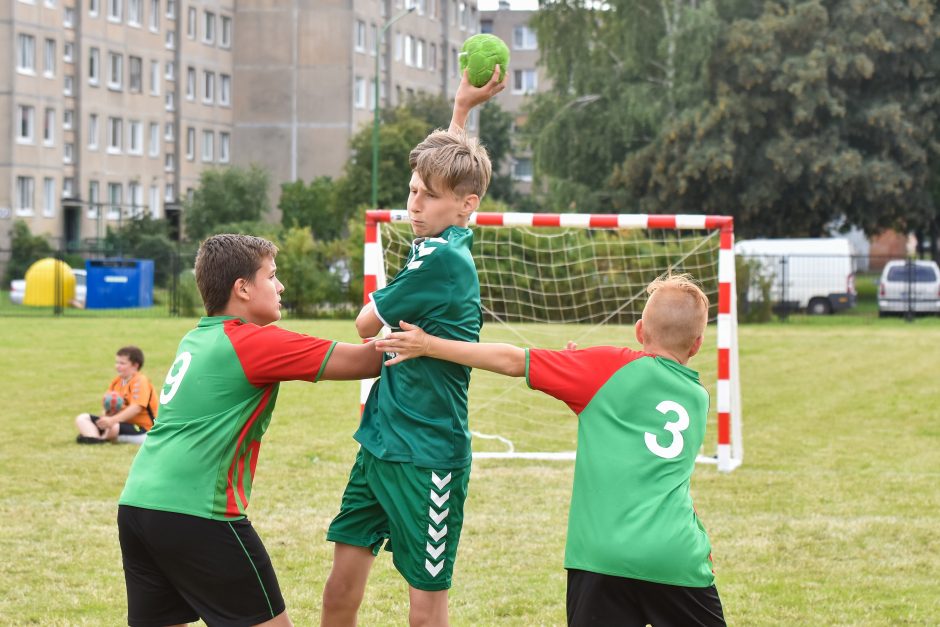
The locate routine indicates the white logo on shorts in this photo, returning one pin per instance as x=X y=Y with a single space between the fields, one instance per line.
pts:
x=437 y=533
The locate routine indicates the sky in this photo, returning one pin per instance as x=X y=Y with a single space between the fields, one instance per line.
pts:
x=519 y=5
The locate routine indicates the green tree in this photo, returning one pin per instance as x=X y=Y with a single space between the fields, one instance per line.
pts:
x=818 y=110
x=314 y=206
x=226 y=195
x=144 y=238
x=25 y=249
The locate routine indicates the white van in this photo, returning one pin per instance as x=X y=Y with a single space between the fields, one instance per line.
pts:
x=812 y=274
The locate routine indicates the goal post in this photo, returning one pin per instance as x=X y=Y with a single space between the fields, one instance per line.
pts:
x=546 y=277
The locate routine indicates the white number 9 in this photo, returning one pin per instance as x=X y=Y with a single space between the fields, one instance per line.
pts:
x=174 y=380
x=676 y=428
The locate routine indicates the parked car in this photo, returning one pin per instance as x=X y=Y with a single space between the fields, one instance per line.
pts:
x=18 y=289
x=909 y=285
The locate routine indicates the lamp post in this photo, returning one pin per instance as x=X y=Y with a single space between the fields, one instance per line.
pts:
x=375 y=107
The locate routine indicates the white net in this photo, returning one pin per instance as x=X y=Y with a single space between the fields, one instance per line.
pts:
x=543 y=287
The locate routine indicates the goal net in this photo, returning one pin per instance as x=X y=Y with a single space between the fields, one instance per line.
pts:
x=546 y=279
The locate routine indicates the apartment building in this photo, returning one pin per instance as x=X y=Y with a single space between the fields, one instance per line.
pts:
x=109 y=109
x=526 y=78
x=307 y=80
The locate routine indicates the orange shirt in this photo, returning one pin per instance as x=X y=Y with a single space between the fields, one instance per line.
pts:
x=138 y=391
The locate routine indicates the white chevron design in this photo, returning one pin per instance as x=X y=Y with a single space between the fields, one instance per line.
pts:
x=437 y=518
x=431 y=568
x=414 y=265
x=439 y=240
x=440 y=483
x=437 y=535
x=440 y=500
x=435 y=552
x=424 y=251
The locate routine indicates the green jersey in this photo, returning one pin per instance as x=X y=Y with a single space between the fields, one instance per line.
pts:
x=215 y=406
x=417 y=411
x=641 y=422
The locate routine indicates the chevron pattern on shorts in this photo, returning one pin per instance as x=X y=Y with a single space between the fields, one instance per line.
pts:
x=437 y=530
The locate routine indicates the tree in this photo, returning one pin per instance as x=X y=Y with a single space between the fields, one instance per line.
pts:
x=496 y=136
x=818 y=110
x=144 y=238
x=25 y=249
x=225 y=195
x=314 y=206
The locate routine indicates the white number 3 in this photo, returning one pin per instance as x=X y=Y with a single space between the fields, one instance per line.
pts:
x=675 y=427
x=181 y=365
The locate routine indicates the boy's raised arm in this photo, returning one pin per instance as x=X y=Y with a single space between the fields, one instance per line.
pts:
x=411 y=342
x=469 y=96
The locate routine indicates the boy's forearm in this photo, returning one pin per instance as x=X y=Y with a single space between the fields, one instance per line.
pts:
x=458 y=121
x=368 y=323
x=500 y=358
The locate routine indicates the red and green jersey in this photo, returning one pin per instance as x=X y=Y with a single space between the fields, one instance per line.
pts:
x=215 y=406
x=417 y=411
x=641 y=422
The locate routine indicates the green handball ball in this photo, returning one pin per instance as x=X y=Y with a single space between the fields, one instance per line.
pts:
x=479 y=56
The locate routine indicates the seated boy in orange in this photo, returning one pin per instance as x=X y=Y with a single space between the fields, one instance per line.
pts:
x=132 y=422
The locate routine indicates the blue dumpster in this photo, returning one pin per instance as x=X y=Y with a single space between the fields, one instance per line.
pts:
x=118 y=283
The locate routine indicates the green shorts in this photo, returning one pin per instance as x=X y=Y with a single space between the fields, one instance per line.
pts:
x=418 y=510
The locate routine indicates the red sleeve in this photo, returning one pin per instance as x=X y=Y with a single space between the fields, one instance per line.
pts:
x=575 y=376
x=271 y=354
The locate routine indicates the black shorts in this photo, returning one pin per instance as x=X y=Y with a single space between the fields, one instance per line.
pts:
x=179 y=568
x=595 y=599
x=124 y=428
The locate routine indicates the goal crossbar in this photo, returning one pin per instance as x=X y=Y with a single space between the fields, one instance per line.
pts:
x=730 y=452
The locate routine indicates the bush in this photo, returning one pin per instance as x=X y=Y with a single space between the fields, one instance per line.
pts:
x=26 y=249
x=752 y=280
x=190 y=300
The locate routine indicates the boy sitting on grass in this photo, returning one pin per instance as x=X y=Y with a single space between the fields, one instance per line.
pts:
x=636 y=552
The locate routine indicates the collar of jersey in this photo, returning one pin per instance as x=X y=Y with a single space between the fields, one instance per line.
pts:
x=208 y=321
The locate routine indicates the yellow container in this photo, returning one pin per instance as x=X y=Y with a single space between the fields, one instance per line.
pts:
x=43 y=277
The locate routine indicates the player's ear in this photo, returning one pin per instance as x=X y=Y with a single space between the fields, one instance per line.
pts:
x=638 y=331
x=696 y=346
x=471 y=202
x=240 y=289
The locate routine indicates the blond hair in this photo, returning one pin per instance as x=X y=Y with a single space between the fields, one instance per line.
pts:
x=223 y=259
x=676 y=312
x=453 y=161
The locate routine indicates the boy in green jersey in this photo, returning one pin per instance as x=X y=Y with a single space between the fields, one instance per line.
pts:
x=636 y=552
x=409 y=480
x=188 y=550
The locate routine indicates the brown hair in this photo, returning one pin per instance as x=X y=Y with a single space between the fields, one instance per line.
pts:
x=676 y=312
x=454 y=161
x=222 y=260
x=133 y=354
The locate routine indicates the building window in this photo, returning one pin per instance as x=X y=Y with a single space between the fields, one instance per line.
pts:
x=224 y=147
x=170 y=40
x=68 y=152
x=523 y=38
x=25 y=193
x=190 y=83
x=154 y=78
x=359 y=93
x=191 y=16
x=486 y=26
x=155 y=16
x=208 y=94
x=48 y=58
x=171 y=9
x=208 y=146
x=68 y=84
x=170 y=101
x=68 y=187
x=115 y=198
x=226 y=36
x=68 y=116
x=168 y=132
x=522 y=169
x=93 y=199
x=432 y=57
x=190 y=143
x=48 y=127
x=168 y=192
x=225 y=89
x=68 y=51
x=154 y=139
x=93 y=131
x=360 y=36
x=135 y=78
x=26 y=54
x=135 y=137
x=524 y=81
x=94 y=66
x=208 y=34
x=135 y=196
x=93 y=8
x=169 y=163
x=114 y=10
x=115 y=70
x=419 y=53
x=134 y=12
x=69 y=20
x=26 y=117
x=48 y=197
x=409 y=51
x=115 y=132
x=154 y=202
x=170 y=71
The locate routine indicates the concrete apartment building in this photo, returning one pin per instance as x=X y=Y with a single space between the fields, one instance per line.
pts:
x=527 y=77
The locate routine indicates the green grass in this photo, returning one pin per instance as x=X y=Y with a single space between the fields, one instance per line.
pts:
x=830 y=521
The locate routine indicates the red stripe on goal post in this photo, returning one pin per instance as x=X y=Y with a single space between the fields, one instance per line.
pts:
x=724 y=364
x=490 y=219
x=724 y=428
x=601 y=221
x=546 y=219
x=724 y=298
x=661 y=222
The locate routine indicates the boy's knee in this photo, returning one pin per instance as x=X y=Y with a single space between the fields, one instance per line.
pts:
x=82 y=419
x=340 y=594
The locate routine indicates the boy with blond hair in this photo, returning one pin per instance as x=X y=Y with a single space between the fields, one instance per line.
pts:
x=409 y=481
x=636 y=552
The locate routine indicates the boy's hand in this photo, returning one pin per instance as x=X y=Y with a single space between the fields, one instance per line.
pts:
x=410 y=342
x=469 y=96
x=571 y=346
x=104 y=422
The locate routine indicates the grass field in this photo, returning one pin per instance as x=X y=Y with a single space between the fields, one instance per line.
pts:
x=832 y=519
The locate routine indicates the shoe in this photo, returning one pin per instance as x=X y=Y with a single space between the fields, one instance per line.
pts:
x=84 y=439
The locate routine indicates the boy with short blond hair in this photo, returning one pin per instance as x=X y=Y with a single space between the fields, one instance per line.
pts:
x=637 y=552
x=188 y=549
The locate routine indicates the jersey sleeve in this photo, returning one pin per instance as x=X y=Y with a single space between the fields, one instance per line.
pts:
x=140 y=392
x=421 y=290
x=270 y=354
x=575 y=376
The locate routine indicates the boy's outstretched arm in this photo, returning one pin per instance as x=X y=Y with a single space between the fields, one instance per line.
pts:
x=469 y=96
x=368 y=323
x=411 y=341
x=352 y=361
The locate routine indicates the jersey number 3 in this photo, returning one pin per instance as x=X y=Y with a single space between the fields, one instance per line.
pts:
x=675 y=427
x=181 y=365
